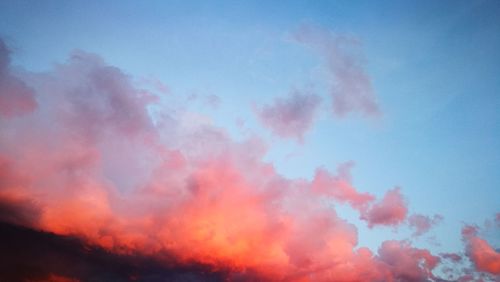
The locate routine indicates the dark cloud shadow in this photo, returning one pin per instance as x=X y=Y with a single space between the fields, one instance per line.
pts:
x=31 y=255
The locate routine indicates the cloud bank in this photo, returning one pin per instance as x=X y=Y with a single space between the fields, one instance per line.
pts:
x=89 y=162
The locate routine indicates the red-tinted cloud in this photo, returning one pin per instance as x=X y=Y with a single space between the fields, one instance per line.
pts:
x=340 y=188
x=391 y=210
x=407 y=263
x=351 y=87
x=470 y=231
x=422 y=224
x=16 y=98
x=484 y=257
x=95 y=166
x=292 y=116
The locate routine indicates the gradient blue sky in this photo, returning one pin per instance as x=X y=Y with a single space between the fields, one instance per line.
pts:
x=434 y=65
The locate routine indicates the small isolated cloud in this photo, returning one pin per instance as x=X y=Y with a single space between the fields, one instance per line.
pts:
x=351 y=86
x=422 y=224
x=16 y=98
x=213 y=101
x=291 y=116
x=391 y=210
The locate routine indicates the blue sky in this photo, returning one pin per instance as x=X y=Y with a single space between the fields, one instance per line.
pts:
x=434 y=67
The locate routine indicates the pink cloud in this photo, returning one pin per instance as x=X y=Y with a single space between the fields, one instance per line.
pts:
x=469 y=231
x=99 y=97
x=89 y=162
x=407 y=263
x=340 y=188
x=351 y=86
x=422 y=224
x=391 y=210
x=16 y=98
x=292 y=116
x=484 y=257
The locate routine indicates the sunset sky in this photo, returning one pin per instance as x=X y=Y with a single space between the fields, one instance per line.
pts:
x=274 y=141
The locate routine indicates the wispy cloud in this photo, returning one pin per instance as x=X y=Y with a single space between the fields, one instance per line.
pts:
x=422 y=224
x=16 y=98
x=291 y=116
x=350 y=85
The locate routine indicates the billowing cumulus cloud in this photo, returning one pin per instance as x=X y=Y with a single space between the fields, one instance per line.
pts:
x=89 y=163
x=16 y=98
x=421 y=224
x=291 y=116
x=350 y=85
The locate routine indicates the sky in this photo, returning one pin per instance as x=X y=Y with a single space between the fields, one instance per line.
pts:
x=321 y=127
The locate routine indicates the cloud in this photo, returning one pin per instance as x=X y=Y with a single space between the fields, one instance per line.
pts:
x=350 y=85
x=422 y=224
x=213 y=101
x=452 y=256
x=391 y=210
x=19 y=210
x=40 y=256
x=340 y=188
x=407 y=263
x=484 y=257
x=89 y=163
x=16 y=98
x=292 y=116
x=99 y=97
